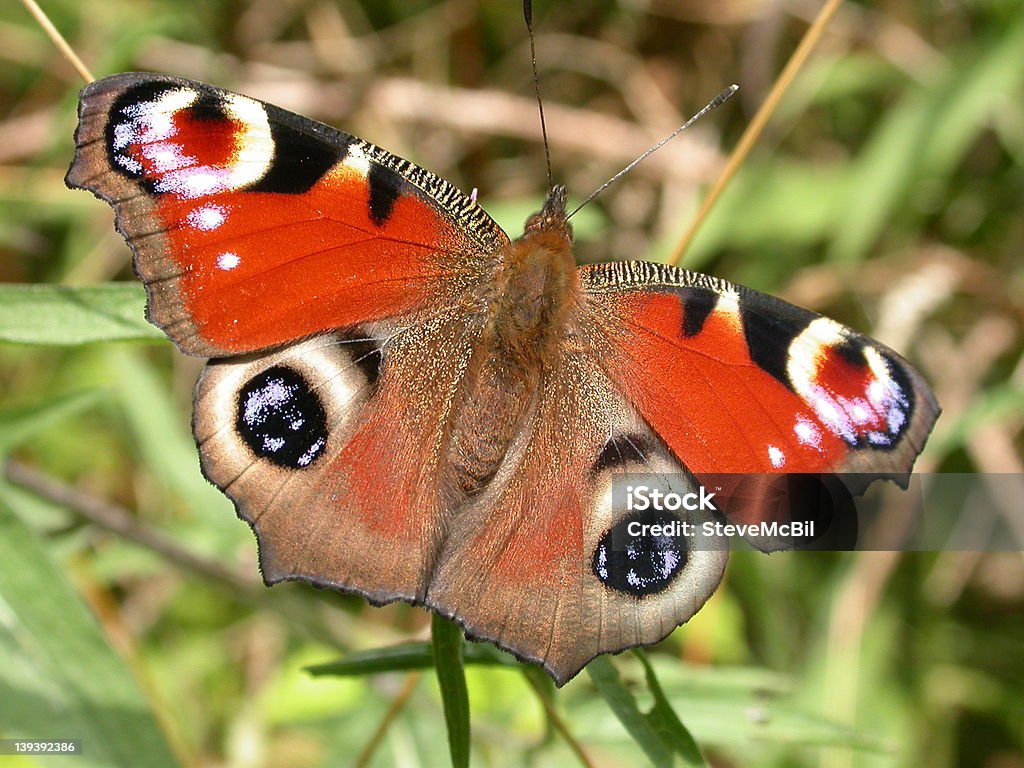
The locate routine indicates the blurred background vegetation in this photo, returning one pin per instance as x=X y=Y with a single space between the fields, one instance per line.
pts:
x=886 y=193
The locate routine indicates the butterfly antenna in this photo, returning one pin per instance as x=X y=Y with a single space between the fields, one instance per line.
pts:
x=528 y=15
x=718 y=101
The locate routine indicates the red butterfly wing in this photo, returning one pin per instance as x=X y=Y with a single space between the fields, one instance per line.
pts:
x=252 y=226
x=736 y=381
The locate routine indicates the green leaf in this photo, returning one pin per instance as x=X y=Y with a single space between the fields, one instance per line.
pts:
x=19 y=424
x=646 y=733
x=405 y=657
x=60 y=679
x=923 y=139
x=786 y=204
x=882 y=177
x=451 y=677
x=65 y=316
x=160 y=428
x=735 y=707
x=666 y=721
x=978 y=90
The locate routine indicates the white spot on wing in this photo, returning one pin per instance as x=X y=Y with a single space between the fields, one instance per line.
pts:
x=807 y=432
x=729 y=302
x=166 y=156
x=834 y=413
x=124 y=134
x=876 y=391
x=255 y=152
x=207 y=217
x=886 y=396
x=129 y=164
x=195 y=182
x=149 y=124
x=807 y=350
x=154 y=120
x=312 y=453
x=776 y=456
x=859 y=411
x=274 y=394
x=228 y=260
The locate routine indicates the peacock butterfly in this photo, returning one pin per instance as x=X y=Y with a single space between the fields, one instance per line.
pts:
x=404 y=403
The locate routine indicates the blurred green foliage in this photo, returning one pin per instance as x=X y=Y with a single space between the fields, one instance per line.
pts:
x=886 y=192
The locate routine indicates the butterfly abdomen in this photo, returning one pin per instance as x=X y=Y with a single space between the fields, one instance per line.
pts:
x=495 y=397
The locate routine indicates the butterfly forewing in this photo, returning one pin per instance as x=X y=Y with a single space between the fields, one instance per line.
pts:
x=736 y=381
x=252 y=226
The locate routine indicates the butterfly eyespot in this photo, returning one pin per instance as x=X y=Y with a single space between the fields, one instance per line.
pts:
x=855 y=391
x=282 y=419
x=642 y=553
x=129 y=121
x=190 y=142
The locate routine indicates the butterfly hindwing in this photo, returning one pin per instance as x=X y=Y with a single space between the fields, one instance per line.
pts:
x=325 y=453
x=252 y=226
x=542 y=562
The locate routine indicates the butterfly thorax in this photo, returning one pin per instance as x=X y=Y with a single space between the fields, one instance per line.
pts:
x=536 y=288
x=530 y=311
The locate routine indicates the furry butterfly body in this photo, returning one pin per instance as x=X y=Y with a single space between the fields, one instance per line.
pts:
x=404 y=402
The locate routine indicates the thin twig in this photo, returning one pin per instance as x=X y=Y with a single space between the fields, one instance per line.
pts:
x=559 y=724
x=389 y=718
x=118 y=520
x=756 y=127
x=319 y=619
x=58 y=40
